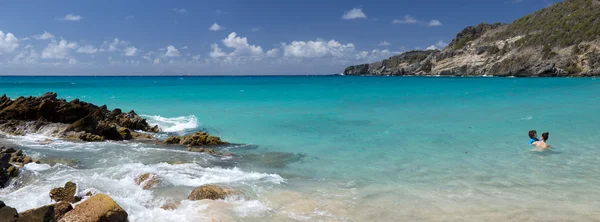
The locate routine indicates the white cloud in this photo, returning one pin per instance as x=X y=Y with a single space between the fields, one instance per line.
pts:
x=255 y=29
x=58 y=50
x=384 y=43
x=180 y=10
x=241 y=46
x=441 y=44
x=432 y=47
x=216 y=52
x=219 y=12
x=44 y=36
x=215 y=27
x=407 y=20
x=316 y=49
x=355 y=13
x=129 y=17
x=172 y=51
x=273 y=53
x=27 y=56
x=434 y=23
x=196 y=57
x=71 y=17
x=8 y=42
x=130 y=51
x=89 y=49
x=375 y=55
x=115 y=45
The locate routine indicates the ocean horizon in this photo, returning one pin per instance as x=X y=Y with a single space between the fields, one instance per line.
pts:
x=330 y=148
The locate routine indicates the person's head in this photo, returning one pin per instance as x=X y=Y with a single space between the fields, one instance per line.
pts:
x=532 y=134
x=545 y=136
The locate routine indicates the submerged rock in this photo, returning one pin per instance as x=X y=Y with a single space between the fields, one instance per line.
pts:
x=147 y=180
x=274 y=159
x=98 y=208
x=212 y=192
x=66 y=193
x=170 y=206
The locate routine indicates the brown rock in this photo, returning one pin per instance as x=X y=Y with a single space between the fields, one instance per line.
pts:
x=99 y=208
x=91 y=137
x=8 y=214
x=46 y=142
x=125 y=133
x=200 y=139
x=141 y=136
x=66 y=193
x=170 y=206
x=211 y=192
x=179 y=162
x=60 y=209
x=45 y=214
x=172 y=140
x=12 y=171
x=27 y=160
x=147 y=180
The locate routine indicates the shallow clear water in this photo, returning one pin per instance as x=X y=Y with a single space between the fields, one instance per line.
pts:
x=336 y=148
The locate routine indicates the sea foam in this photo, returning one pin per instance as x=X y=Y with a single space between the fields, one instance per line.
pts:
x=174 y=124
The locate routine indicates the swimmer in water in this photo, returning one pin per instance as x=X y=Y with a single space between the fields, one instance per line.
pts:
x=542 y=145
x=533 y=137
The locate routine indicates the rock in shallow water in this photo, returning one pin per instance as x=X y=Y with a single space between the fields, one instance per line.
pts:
x=147 y=180
x=7 y=213
x=66 y=193
x=99 y=208
x=45 y=214
x=212 y=192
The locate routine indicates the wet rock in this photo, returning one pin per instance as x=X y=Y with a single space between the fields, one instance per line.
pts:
x=5 y=160
x=171 y=206
x=88 y=137
x=27 y=160
x=4 y=177
x=7 y=213
x=147 y=180
x=98 y=208
x=12 y=171
x=125 y=133
x=85 y=124
x=212 y=192
x=179 y=162
x=227 y=154
x=109 y=131
x=141 y=136
x=66 y=193
x=200 y=139
x=7 y=150
x=45 y=214
x=173 y=140
x=60 y=209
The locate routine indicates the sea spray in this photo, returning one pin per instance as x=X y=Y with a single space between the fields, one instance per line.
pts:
x=177 y=125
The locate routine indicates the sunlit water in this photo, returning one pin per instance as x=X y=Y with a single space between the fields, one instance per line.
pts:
x=334 y=148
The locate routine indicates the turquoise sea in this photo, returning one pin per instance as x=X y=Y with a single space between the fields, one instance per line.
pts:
x=335 y=148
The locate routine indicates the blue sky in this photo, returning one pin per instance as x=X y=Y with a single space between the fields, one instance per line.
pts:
x=226 y=37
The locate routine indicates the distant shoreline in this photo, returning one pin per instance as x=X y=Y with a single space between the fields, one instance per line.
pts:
x=314 y=75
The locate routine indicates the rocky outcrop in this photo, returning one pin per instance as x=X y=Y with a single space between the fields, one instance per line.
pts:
x=543 y=44
x=66 y=193
x=197 y=142
x=60 y=209
x=45 y=213
x=212 y=192
x=147 y=180
x=74 y=119
x=10 y=161
x=98 y=208
x=7 y=213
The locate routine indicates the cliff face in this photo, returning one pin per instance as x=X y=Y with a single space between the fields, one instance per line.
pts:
x=561 y=40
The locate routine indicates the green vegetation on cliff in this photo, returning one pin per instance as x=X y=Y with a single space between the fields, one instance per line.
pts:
x=563 y=24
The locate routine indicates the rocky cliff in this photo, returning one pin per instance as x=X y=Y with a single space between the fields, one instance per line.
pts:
x=561 y=40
